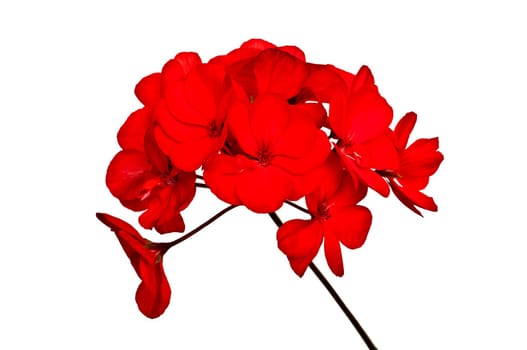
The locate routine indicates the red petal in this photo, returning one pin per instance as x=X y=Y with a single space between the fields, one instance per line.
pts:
x=269 y=120
x=148 y=90
x=279 y=73
x=264 y=189
x=257 y=44
x=178 y=68
x=132 y=242
x=368 y=176
x=411 y=197
x=368 y=116
x=378 y=153
x=221 y=174
x=333 y=253
x=153 y=294
x=238 y=124
x=300 y=240
x=350 y=225
x=131 y=135
x=188 y=155
x=421 y=158
x=403 y=129
x=129 y=176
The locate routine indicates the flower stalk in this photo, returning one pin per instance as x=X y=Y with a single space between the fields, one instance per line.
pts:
x=276 y=219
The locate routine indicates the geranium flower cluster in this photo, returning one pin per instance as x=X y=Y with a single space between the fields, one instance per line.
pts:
x=261 y=126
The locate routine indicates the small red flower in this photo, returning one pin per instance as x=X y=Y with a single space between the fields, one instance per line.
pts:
x=153 y=293
x=336 y=218
x=144 y=179
x=418 y=162
x=361 y=119
x=275 y=147
x=190 y=120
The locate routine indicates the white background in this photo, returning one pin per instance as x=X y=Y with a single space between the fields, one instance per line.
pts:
x=453 y=280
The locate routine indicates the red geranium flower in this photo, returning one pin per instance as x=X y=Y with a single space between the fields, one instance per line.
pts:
x=336 y=218
x=361 y=119
x=153 y=294
x=418 y=162
x=275 y=147
x=190 y=120
x=142 y=177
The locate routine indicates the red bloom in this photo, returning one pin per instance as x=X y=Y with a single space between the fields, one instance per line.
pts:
x=418 y=162
x=336 y=218
x=360 y=119
x=192 y=114
x=143 y=178
x=153 y=294
x=275 y=147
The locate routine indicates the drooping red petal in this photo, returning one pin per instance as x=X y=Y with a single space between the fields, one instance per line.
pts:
x=300 y=241
x=412 y=197
x=153 y=294
x=333 y=253
x=403 y=129
x=132 y=242
x=368 y=176
x=148 y=90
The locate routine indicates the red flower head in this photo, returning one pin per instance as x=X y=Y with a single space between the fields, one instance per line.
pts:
x=418 y=162
x=336 y=218
x=192 y=114
x=361 y=119
x=276 y=147
x=153 y=294
x=142 y=177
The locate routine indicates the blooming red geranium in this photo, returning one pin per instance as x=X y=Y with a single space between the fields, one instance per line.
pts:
x=153 y=294
x=360 y=118
x=266 y=127
x=191 y=116
x=336 y=218
x=417 y=163
x=143 y=177
x=276 y=146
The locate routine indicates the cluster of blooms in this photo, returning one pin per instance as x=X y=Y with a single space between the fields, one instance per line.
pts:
x=263 y=127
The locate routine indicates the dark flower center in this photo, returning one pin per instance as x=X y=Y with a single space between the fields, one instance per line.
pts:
x=214 y=129
x=323 y=211
x=264 y=156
